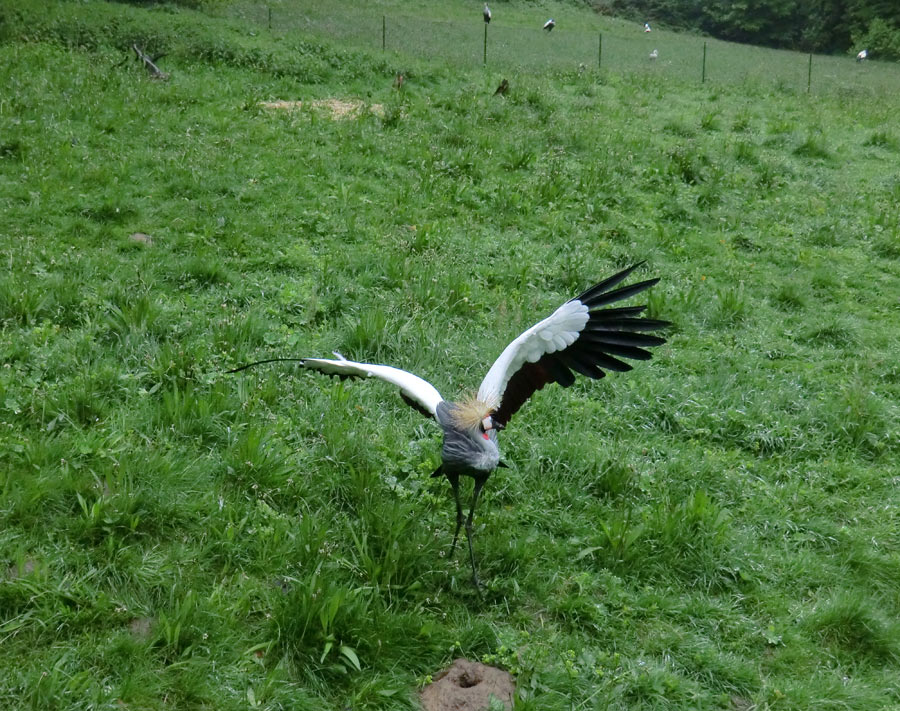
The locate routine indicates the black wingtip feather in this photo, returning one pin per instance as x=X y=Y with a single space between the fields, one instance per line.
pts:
x=598 y=324
x=620 y=294
x=581 y=363
x=621 y=338
x=622 y=311
x=606 y=361
x=626 y=351
x=606 y=284
x=267 y=360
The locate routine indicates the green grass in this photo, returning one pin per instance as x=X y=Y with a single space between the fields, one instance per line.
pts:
x=717 y=529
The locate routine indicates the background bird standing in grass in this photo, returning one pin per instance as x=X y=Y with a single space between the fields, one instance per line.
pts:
x=579 y=336
x=549 y=25
x=487 y=13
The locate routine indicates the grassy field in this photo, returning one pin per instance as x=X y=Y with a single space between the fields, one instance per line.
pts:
x=718 y=529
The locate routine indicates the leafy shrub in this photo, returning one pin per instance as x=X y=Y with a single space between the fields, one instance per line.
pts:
x=881 y=39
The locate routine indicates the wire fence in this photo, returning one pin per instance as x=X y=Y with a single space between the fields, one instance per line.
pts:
x=621 y=48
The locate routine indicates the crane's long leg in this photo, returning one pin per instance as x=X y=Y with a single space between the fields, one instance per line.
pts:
x=479 y=484
x=454 y=483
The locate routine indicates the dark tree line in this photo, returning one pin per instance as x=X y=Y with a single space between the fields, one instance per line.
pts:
x=811 y=25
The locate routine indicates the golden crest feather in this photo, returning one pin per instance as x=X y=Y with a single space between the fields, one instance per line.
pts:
x=468 y=413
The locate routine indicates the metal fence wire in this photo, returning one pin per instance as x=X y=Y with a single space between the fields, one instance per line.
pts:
x=622 y=48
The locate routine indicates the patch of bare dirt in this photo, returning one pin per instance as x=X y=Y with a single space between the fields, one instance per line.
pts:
x=141 y=628
x=468 y=686
x=141 y=237
x=28 y=567
x=336 y=109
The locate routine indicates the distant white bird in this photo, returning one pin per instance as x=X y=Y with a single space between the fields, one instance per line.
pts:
x=487 y=13
x=549 y=25
x=581 y=336
x=654 y=54
x=864 y=54
x=646 y=27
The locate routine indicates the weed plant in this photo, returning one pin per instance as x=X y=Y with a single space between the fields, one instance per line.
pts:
x=717 y=529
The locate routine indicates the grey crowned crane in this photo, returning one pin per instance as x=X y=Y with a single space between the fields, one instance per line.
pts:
x=549 y=25
x=579 y=337
x=487 y=13
x=862 y=54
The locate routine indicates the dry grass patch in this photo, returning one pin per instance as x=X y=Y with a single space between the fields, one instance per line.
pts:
x=337 y=109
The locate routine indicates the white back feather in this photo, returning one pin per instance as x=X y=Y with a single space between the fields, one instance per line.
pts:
x=556 y=332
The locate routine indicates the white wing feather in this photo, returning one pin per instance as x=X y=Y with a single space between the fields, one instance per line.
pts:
x=412 y=386
x=556 y=332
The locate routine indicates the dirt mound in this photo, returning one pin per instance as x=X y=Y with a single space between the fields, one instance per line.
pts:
x=468 y=686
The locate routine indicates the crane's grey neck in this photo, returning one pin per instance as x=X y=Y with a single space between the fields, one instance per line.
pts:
x=466 y=450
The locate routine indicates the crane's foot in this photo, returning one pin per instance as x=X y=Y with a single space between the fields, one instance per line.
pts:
x=477 y=583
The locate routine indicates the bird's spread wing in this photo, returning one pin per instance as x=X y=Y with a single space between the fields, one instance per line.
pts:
x=415 y=391
x=579 y=336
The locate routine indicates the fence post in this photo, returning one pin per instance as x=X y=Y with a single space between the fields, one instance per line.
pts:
x=599 y=49
x=485 y=43
x=703 y=74
x=809 y=74
x=383 y=31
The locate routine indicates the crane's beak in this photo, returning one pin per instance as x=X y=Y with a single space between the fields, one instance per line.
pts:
x=488 y=424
